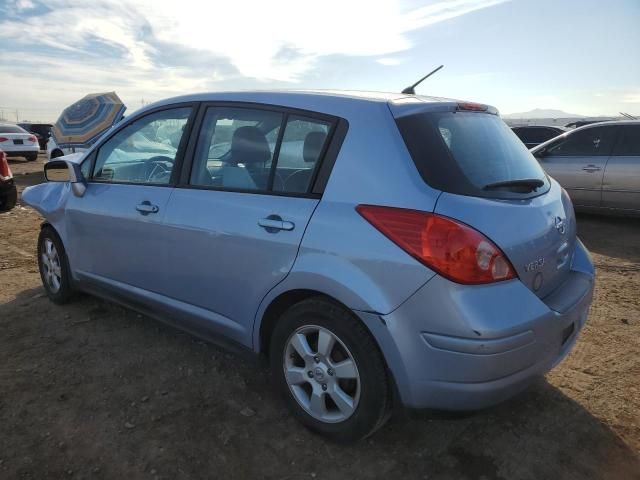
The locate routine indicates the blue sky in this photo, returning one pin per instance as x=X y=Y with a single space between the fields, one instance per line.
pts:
x=580 y=56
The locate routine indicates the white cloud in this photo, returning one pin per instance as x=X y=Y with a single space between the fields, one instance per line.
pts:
x=41 y=96
x=159 y=48
x=251 y=34
x=389 y=61
x=24 y=4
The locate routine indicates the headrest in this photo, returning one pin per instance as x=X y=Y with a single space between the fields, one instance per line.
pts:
x=249 y=145
x=313 y=143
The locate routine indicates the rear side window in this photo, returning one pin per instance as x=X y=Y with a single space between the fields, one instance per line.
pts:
x=593 y=141
x=628 y=141
x=235 y=150
x=302 y=146
x=464 y=152
x=259 y=150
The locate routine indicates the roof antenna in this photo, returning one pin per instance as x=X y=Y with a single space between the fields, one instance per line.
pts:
x=628 y=116
x=411 y=90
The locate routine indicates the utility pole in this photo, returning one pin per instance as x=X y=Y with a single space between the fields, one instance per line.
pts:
x=17 y=116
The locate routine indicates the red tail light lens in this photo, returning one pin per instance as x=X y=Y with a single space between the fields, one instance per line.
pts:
x=472 y=107
x=32 y=138
x=3 y=139
x=454 y=250
x=5 y=171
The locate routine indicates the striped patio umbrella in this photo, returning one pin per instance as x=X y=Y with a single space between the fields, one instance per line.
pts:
x=82 y=123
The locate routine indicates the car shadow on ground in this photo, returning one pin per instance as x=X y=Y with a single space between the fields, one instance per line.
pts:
x=17 y=160
x=595 y=232
x=24 y=180
x=97 y=390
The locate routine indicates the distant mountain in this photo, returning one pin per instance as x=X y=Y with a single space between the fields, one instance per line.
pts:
x=542 y=113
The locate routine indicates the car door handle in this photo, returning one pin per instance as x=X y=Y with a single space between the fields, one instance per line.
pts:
x=274 y=223
x=145 y=208
x=591 y=168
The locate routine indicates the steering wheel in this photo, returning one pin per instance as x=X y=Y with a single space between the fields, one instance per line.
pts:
x=158 y=169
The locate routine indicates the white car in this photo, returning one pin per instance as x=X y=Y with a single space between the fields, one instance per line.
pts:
x=15 y=141
x=55 y=151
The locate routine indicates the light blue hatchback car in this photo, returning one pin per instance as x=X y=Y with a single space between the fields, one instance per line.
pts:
x=376 y=248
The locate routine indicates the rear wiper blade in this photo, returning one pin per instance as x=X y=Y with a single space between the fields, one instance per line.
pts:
x=531 y=183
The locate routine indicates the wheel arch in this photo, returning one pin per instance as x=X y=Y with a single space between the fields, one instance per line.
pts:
x=302 y=284
x=48 y=224
x=276 y=307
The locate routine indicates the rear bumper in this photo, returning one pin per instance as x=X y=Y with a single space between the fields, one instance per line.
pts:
x=458 y=347
x=23 y=150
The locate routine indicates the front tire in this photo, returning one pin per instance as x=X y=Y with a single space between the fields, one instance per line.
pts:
x=330 y=370
x=32 y=158
x=54 y=267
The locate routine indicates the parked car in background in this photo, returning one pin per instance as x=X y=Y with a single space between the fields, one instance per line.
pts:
x=15 y=141
x=533 y=135
x=54 y=151
x=328 y=232
x=582 y=123
x=8 y=192
x=598 y=165
x=42 y=131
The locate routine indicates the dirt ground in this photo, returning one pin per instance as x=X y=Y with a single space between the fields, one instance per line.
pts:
x=91 y=390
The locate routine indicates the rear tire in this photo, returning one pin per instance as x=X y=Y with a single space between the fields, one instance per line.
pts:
x=54 y=267
x=32 y=158
x=339 y=387
x=8 y=201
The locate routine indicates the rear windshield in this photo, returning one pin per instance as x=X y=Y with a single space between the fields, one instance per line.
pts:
x=11 y=129
x=465 y=152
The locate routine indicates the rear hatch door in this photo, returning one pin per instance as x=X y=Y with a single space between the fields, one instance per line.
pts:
x=538 y=235
x=491 y=182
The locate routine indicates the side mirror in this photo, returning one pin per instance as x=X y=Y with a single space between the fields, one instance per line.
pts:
x=63 y=171
x=57 y=171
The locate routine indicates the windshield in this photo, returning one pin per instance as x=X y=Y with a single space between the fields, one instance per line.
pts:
x=465 y=152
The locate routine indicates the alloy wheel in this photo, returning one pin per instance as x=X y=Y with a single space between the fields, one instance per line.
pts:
x=52 y=271
x=321 y=374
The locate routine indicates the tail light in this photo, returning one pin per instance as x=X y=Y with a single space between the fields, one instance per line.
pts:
x=453 y=249
x=472 y=107
x=3 y=139
x=32 y=138
x=5 y=171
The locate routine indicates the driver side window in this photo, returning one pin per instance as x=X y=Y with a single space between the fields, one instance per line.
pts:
x=590 y=142
x=144 y=151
